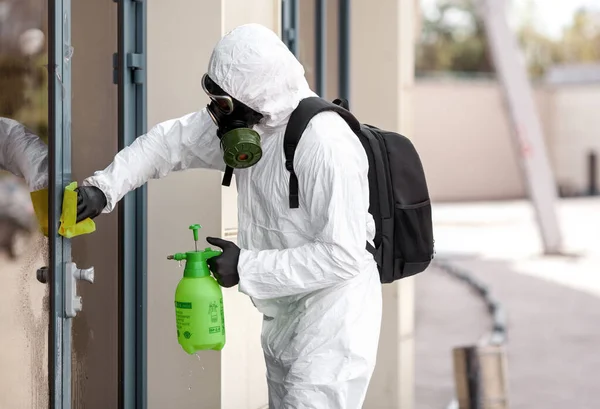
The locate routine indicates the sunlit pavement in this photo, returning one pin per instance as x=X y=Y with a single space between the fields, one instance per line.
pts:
x=553 y=303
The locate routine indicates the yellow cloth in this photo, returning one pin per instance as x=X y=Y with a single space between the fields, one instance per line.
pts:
x=68 y=228
x=39 y=199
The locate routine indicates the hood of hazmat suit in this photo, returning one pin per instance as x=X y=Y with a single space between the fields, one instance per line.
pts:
x=307 y=269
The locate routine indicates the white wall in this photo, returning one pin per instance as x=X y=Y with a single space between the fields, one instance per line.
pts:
x=464 y=137
x=181 y=35
x=576 y=131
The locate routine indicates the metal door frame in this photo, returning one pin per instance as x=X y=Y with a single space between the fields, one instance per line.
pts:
x=290 y=35
x=344 y=49
x=290 y=15
x=129 y=65
x=130 y=75
x=59 y=94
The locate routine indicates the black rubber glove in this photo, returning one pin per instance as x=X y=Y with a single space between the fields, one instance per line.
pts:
x=90 y=202
x=224 y=267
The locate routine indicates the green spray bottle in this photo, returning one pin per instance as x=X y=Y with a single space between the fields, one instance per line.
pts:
x=199 y=302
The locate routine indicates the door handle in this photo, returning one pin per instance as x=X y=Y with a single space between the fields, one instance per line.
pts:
x=73 y=302
x=42 y=275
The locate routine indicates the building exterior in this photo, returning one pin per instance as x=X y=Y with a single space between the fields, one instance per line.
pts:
x=121 y=350
x=456 y=125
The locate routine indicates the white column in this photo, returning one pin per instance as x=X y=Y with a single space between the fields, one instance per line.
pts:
x=382 y=77
x=528 y=133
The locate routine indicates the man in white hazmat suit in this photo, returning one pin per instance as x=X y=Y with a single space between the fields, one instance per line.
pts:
x=306 y=269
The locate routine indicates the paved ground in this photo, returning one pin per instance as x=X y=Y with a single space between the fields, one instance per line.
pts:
x=553 y=304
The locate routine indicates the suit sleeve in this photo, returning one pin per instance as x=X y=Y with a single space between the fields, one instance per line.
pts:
x=174 y=145
x=23 y=154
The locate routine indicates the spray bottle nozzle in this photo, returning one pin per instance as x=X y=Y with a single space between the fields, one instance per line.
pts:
x=177 y=256
x=195 y=261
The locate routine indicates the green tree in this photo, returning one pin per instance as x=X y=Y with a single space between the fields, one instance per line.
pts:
x=446 y=45
x=540 y=51
x=581 y=40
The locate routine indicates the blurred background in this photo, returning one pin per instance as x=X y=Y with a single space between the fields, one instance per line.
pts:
x=423 y=68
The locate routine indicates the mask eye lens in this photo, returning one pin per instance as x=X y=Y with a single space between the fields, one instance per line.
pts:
x=217 y=95
x=224 y=103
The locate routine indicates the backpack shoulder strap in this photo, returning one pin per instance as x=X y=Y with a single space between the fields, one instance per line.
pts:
x=298 y=122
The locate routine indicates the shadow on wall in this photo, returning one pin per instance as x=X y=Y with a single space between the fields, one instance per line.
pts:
x=552 y=336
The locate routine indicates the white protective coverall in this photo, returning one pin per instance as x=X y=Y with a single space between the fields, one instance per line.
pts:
x=23 y=154
x=307 y=269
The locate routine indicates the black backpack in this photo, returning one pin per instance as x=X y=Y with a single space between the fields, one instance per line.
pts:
x=399 y=198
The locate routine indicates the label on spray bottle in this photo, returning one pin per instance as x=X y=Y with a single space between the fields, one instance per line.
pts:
x=183 y=311
x=213 y=313
x=222 y=317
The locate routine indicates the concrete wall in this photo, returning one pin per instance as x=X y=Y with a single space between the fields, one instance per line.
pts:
x=463 y=135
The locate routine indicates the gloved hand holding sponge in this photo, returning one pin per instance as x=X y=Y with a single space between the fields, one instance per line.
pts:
x=90 y=202
x=79 y=207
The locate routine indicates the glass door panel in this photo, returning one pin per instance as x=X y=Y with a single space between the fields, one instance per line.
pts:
x=23 y=249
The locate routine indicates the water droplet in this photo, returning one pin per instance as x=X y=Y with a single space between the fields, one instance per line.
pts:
x=189 y=388
x=200 y=360
x=179 y=263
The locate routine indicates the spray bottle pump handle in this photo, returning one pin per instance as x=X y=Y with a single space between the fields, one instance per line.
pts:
x=195 y=228
x=210 y=253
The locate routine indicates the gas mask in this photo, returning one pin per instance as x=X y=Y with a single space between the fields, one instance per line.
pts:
x=240 y=144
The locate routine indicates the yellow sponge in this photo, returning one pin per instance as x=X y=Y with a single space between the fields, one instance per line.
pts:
x=68 y=226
